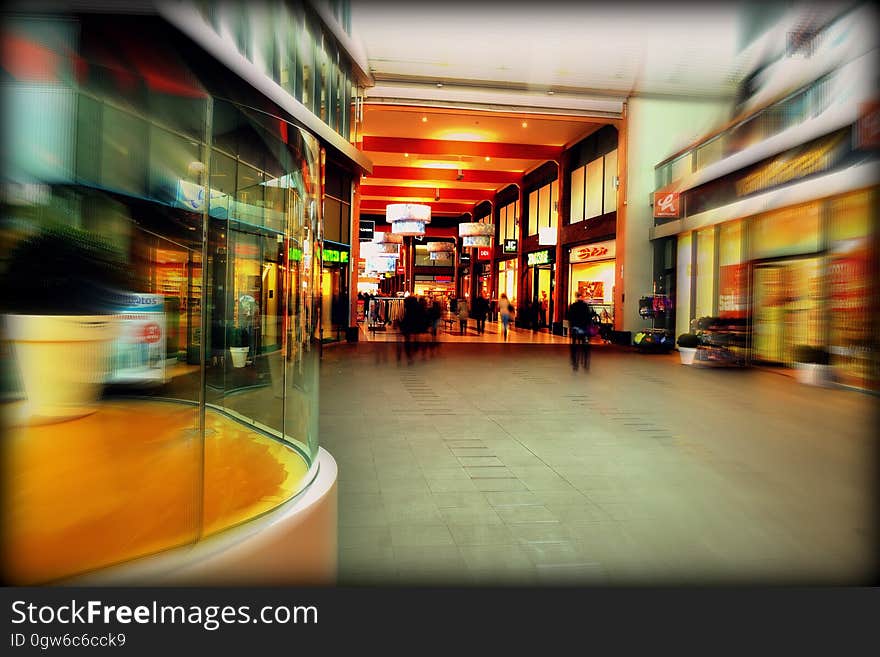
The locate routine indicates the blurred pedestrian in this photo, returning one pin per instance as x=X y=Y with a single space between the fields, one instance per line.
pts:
x=463 y=313
x=505 y=309
x=481 y=309
x=579 y=319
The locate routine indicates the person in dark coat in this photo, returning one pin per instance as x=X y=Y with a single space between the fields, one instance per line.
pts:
x=579 y=318
x=481 y=309
x=410 y=324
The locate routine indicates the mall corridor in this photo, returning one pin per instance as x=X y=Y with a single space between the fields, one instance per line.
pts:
x=497 y=464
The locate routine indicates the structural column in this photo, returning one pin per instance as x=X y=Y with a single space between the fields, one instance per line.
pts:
x=354 y=256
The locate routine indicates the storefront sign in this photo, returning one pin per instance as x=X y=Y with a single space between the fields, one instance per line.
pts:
x=666 y=204
x=589 y=252
x=295 y=254
x=511 y=246
x=443 y=279
x=400 y=269
x=484 y=253
x=792 y=165
x=332 y=255
x=539 y=258
x=733 y=291
x=366 y=230
x=139 y=351
x=547 y=236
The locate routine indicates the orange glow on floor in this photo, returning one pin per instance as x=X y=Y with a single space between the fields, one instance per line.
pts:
x=125 y=482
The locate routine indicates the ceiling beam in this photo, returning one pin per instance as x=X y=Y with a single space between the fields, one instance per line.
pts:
x=467 y=175
x=445 y=194
x=472 y=148
x=370 y=206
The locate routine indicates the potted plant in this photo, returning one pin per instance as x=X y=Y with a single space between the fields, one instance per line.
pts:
x=238 y=347
x=687 y=347
x=61 y=288
x=812 y=365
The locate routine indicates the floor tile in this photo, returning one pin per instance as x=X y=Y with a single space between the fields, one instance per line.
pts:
x=465 y=535
x=420 y=535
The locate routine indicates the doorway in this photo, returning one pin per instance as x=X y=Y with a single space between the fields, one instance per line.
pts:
x=787 y=308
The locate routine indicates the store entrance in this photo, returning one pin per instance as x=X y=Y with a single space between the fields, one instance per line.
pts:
x=787 y=310
x=541 y=296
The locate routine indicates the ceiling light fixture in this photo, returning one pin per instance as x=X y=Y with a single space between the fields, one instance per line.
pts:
x=424 y=119
x=406 y=154
x=408 y=218
x=439 y=84
x=525 y=125
x=487 y=158
x=549 y=92
x=476 y=234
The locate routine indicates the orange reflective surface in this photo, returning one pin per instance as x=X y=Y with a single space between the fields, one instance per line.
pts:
x=126 y=481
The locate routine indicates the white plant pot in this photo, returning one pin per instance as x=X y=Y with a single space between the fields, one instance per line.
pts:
x=239 y=356
x=64 y=361
x=813 y=374
x=687 y=355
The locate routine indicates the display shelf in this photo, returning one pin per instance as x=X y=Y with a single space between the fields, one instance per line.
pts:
x=723 y=343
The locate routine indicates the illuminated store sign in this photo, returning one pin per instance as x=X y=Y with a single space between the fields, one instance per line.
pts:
x=539 y=258
x=295 y=254
x=511 y=246
x=366 y=230
x=666 y=204
x=792 y=165
x=589 y=252
x=332 y=255
x=484 y=253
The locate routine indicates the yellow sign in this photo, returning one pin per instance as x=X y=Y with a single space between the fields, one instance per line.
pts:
x=786 y=168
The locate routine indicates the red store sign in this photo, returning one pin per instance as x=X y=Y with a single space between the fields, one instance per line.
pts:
x=666 y=204
x=484 y=253
x=588 y=252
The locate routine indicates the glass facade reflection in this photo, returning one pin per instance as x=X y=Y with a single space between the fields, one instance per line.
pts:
x=205 y=414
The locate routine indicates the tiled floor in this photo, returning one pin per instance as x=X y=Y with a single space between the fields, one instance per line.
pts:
x=489 y=463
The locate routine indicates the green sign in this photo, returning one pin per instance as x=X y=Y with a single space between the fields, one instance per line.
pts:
x=332 y=255
x=538 y=258
x=295 y=254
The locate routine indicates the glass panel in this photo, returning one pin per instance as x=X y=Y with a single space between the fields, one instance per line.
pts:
x=175 y=169
x=683 y=276
x=733 y=290
x=533 y=212
x=594 y=189
x=544 y=206
x=789 y=231
x=331 y=219
x=681 y=167
x=705 y=274
x=554 y=204
x=123 y=152
x=610 y=201
x=577 y=195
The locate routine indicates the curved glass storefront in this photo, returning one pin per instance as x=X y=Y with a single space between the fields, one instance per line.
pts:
x=161 y=243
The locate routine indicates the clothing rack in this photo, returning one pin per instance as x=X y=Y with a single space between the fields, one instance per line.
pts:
x=654 y=306
x=383 y=311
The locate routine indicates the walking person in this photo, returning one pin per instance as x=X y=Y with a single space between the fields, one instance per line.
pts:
x=579 y=319
x=542 y=309
x=505 y=309
x=481 y=309
x=463 y=312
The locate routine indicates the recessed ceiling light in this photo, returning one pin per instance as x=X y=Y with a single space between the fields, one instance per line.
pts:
x=525 y=125
x=487 y=158
x=439 y=84
x=406 y=154
x=550 y=92
x=424 y=119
